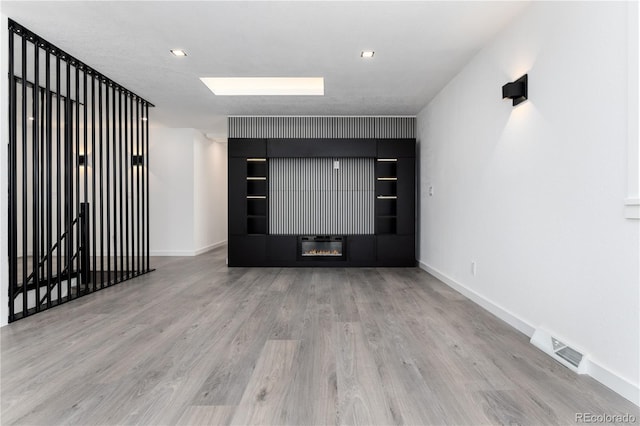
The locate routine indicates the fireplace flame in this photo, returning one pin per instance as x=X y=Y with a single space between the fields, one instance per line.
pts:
x=315 y=252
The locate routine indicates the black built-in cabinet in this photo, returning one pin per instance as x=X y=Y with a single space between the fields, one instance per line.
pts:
x=393 y=243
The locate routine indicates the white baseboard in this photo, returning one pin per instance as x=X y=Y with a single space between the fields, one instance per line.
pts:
x=615 y=382
x=171 y=253
x=187 y=252
x=502 y=313
x=210 y=247
x=605 y=376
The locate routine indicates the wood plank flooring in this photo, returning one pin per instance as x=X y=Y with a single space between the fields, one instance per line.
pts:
x=197 y=343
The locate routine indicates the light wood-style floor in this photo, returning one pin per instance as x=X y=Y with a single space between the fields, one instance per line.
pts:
x=196 y=342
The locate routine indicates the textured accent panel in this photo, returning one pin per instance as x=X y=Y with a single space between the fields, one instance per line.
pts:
x=322 y=127
x=309 y=196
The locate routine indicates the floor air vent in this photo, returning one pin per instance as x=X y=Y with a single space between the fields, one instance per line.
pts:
x=566 y=352
x=560 y=351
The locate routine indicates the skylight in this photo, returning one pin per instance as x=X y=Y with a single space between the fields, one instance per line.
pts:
x=265 y=86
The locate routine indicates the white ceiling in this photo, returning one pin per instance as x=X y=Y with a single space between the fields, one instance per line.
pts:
x=419 y=45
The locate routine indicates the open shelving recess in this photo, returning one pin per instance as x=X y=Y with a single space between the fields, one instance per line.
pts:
x=386 y=195
x=256 y=195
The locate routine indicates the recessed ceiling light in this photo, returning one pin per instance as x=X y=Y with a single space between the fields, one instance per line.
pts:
x=367 y=53
x=178 y=52
x=265 y=86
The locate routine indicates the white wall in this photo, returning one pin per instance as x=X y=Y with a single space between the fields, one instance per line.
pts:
x=219 y=196
x=188 y=192
x=171 y=218
x=535 y=194
x=210 y=192
x=4 y=134
x=632 y=202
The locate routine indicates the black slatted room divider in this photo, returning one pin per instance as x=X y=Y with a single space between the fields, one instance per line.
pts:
x=78 y=177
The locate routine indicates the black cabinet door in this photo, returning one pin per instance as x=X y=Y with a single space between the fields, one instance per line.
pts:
x=247 y=148
x=248 y=250
x=395 y=250
x=396 y=148
x=361 y=249
x=282 y=249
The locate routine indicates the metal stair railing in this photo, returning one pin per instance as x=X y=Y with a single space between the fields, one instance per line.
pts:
x=82 y=250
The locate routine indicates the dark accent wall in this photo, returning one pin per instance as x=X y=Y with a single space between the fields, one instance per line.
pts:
x=393 y=243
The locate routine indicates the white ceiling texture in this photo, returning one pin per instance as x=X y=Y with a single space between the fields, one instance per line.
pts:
x=419 y=46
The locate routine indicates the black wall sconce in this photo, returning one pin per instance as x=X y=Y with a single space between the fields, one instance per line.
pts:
x=82 y=160
x=517 y=91
x=137 y=160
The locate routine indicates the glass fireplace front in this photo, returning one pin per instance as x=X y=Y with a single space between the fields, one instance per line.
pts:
x=329 y=247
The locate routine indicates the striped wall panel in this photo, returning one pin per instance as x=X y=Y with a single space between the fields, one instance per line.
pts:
x=322 y=127
x=307 y=196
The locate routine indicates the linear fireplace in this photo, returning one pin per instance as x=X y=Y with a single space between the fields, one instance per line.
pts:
x=321 y=247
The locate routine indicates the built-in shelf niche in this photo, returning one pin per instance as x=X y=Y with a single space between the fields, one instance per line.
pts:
x=386 y=195
x=256 y=195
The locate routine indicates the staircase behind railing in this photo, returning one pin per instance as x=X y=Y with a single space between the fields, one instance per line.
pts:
x=53 y=286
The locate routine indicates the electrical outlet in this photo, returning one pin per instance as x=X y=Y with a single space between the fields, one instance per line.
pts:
x=430 y=191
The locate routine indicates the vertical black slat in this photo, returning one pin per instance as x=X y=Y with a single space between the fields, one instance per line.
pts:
x=93 y=181
x=143 y=171
x=127 y=164
x=58 y=183
x=134 y=189
x=120 y=175
x=130 y=176
x=68 y=192
x=83 y=225
x=13 y=199
x=25 y=225
x=108 y=204
x=142 y=191
x=99 y=170
x=49 y=176
x=138 y=172
x=77 y=177
x=41 y=173
x=146 y=176
x=36 y=172
x=86 y=275
x=115 y=187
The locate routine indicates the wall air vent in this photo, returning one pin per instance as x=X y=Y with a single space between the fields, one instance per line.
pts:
x=560 y=351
